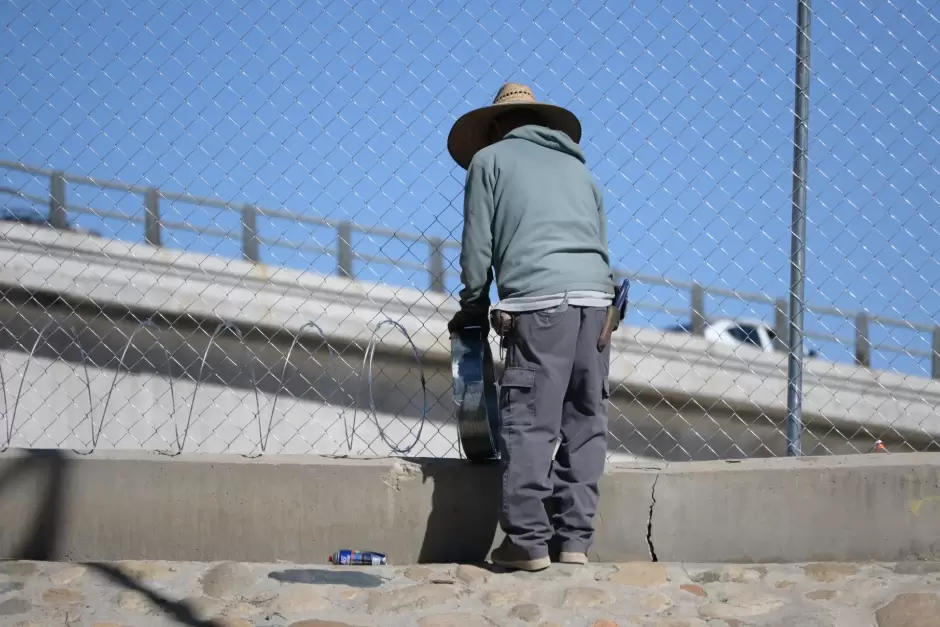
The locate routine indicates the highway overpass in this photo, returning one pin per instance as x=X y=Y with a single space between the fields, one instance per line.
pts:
x=674 y=396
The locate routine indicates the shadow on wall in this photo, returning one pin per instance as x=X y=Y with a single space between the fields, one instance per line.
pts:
x=314 y=373
x=647 y=425
x=45 y=473
x=464 y=515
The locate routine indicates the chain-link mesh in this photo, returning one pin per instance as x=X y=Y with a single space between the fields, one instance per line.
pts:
x=214 y=210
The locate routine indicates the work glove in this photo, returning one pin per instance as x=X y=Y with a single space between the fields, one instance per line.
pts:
x=469 y=317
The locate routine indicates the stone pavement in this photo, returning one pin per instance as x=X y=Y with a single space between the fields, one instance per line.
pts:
x=147 y=594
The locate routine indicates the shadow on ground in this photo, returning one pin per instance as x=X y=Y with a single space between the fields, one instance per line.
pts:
x=322 y=576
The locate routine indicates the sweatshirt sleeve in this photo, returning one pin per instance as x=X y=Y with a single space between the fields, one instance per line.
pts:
x=602 y=220
x=476 y=249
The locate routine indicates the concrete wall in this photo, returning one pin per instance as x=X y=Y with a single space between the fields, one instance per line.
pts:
x=675 y=397
x=147 y=400
x=242 y=400
x=862 y=507
x=120 y=505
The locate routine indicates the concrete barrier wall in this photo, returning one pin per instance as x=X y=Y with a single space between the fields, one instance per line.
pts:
x=675 y=397
x=854 y=508
x=314 y=407
x=245 y=394
x=113 y=505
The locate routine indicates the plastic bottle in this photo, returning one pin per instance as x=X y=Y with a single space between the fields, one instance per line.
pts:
x=348 y=557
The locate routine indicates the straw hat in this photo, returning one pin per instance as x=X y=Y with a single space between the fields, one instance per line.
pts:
x=471 y=132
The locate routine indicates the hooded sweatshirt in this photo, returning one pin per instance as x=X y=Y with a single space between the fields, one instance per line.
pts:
x=533 y=212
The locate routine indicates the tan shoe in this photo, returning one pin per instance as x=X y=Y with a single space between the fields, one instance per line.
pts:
x=509 y=557
x=572 y=557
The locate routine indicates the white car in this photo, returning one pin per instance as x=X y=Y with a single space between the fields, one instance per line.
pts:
x=741 y=332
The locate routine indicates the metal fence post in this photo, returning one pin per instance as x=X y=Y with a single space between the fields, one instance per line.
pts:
x=780 y=323
x=250 y=234
x=798 y=230
x=344 y=252
x=436 y=265
x=862 y=341
x=152 y=232
x=935 y=357
x=58 y=212
x=698 y=310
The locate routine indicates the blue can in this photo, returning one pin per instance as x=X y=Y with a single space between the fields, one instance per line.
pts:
x=348 y=557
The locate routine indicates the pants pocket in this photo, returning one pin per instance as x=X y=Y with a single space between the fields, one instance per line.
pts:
x=548 y=317
x=517 y=401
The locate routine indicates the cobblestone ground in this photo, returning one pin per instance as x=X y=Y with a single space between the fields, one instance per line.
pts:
x=142 y=594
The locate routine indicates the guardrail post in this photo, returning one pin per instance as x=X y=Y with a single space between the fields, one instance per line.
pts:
x=935 y=357
x=58 y=212
x=780 y=323
x=862 y=341
x=436 y=265
x=698 y=310
x=152 y=234
x=344 y=251
x=250 y=234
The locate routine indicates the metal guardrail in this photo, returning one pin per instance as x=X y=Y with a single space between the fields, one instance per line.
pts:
x=250 y=240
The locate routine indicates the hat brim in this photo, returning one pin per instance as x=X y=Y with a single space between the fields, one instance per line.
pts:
x=470 y=132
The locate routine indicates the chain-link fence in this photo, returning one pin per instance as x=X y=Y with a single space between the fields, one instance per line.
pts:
x=214 y=212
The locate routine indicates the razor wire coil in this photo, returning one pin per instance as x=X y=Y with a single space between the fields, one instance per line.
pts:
x=367 y=360
x=364 y=386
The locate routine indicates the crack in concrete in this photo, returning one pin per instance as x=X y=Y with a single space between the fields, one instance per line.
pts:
x=649 y=521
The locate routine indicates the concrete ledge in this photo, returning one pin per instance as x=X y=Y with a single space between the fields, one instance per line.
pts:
x=852 y=508
x=115 y=505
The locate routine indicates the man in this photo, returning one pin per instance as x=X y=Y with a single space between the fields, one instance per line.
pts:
x=535 y=215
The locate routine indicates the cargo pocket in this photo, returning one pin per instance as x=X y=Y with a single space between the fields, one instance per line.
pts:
x=516 y=398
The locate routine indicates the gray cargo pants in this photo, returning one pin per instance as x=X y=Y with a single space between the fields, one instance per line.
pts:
x=554 y=386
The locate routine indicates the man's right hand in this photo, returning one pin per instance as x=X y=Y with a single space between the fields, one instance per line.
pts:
x=469 y=318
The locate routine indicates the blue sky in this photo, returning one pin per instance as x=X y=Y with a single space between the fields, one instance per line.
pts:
x=341 y=109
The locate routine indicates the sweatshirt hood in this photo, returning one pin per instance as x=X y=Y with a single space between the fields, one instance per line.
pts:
x=548 y=138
